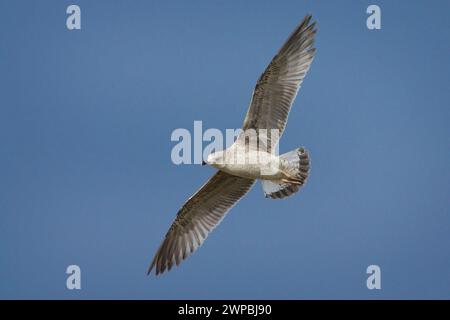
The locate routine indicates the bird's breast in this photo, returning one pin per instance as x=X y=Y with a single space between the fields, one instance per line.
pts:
x=252 y=165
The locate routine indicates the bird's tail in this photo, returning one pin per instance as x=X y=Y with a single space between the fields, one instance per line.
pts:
x=297 y=167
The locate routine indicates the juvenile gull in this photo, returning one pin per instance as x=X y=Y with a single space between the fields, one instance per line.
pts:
x=281 y=176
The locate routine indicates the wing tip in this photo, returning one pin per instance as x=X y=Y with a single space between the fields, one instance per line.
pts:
x=306 y=20
x=308 y=17
x=150 y=268
x=157 y=271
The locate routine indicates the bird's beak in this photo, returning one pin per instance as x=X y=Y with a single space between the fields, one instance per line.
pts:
x=203 y=162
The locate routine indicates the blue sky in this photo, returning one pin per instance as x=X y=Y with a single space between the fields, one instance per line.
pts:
x=86 y=176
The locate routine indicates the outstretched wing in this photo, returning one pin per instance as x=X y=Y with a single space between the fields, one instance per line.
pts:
x=198 y=217
x=277 y=87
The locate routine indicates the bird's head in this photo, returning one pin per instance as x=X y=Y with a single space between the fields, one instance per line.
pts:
x=215 y=159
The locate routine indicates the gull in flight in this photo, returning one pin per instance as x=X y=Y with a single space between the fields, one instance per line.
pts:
x=281 y=176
